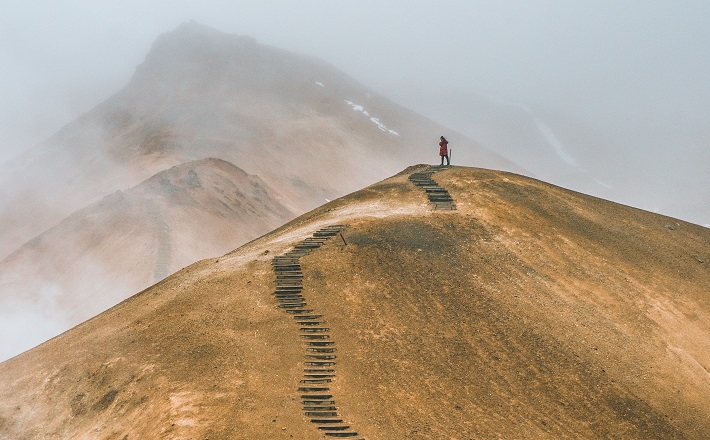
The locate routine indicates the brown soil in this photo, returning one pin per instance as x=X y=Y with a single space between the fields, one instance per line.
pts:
x=529 y=312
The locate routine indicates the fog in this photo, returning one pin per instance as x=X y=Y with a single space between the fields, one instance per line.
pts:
x=645 y=62
x=616 y=91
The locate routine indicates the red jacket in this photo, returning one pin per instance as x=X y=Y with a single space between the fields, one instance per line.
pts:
x=443 y=150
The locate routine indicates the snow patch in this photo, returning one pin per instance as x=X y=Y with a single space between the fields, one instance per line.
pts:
x=356 y=107
x=374 y=120
x=377 y=122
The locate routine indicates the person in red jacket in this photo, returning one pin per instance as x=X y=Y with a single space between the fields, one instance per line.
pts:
x=444 y=150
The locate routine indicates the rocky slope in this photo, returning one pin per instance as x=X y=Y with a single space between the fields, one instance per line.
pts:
x=529 y=311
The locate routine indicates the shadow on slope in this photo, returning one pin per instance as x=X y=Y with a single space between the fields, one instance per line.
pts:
x=530 y=312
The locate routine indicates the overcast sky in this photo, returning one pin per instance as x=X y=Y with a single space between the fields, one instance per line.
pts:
x=59 y=59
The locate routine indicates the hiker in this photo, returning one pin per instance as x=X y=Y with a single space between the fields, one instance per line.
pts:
x=444 y=150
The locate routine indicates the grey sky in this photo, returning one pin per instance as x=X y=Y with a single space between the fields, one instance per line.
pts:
x=645 y=60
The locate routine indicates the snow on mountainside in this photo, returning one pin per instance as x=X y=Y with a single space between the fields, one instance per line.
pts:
x=201 y=93
x=282 y=118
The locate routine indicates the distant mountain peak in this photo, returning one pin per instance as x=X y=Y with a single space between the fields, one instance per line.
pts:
x=193 y=31
x=192 y=46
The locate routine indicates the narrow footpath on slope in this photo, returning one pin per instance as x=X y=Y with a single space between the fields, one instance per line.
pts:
x=318 y=403
x=439 y=197
x=164 y=247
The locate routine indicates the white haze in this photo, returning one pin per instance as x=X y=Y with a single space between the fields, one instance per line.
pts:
x=618 y=63
x=631 y=76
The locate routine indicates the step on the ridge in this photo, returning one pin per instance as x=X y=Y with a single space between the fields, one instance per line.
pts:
x=288 y=289
x=294 y=306
x=438 y=196
x=318 y=403
x=316 y=396
x=316 y=381
x=319 y=408
x=320 y=363
x=321 y=414
x=292 y=301
x=334 y=428
x=305 y=389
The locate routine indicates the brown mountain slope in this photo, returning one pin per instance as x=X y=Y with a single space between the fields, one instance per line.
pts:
x=529 y=312
x=307 y=129
x=129 y=240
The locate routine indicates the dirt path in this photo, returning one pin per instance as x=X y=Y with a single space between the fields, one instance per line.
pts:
x=439 y=197
x=318 y=402
x=164 y=246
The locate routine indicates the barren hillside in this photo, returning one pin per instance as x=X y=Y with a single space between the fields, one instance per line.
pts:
x=128 y=240
x=307 y=129
x=529 y=311
x=294 y=123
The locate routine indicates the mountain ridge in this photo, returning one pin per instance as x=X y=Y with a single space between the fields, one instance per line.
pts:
x=307 y=131
x=529 y=311
x=224 y=102
x=129 y=240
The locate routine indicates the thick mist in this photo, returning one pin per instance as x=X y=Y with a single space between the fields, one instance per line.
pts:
x=607 y=98
x=625 y=82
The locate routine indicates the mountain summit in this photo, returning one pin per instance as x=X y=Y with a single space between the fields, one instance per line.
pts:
x=528 y=311
x=306 y=131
